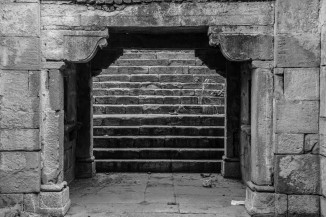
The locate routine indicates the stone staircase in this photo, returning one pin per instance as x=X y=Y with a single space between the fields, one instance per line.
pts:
x=158 y=111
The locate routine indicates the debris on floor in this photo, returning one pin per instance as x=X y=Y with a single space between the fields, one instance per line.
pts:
x=237 y=202
x=207 y=183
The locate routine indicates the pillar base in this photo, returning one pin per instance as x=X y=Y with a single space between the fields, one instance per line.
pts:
x=85 y=168
x=48 y=203
x=231 y=168
x=260 y=203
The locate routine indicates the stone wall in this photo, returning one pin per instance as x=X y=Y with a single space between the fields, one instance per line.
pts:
x=287 y=150
x=20 y=147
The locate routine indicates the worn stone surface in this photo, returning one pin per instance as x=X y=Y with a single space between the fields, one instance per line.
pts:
x=287 y=20
x=297 y=117
x=156 y=194
x=11 y=200
x=297 y=174
x=289 y=143
x=20 y=53
x=303 y=205
x=299 y=50
x=170 y=14
x=261 y=125
x=322 y=136
x=311 y=143
x=260 y=203
x=31 y=203
x=281 y=204
x=323 y=175
x=19 y=139
x=322 y=206
x=20 y=172
x=323 y=91
x=20 y=19
x=56 y=90
x=301 y=84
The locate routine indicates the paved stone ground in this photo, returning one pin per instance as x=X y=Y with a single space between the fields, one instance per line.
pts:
x=155 y=195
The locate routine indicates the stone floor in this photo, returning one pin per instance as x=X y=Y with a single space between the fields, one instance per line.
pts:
x=156 y=195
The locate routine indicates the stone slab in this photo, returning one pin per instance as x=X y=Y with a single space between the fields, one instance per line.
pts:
x=297 y=116
x=170 y=14
x=259 y=203
x=297 y=174
x=301 y=84
x=19 y=139
x=323 y=175
x=289 y=143
x=261 y=126
x=20 y=53
x=303 y=206
x=311 y=143
x=288 y=21
x=297 y=50
x=20 y=172
x=322 y=136
x=323 y=91
x=20 y=19
x=323 y=206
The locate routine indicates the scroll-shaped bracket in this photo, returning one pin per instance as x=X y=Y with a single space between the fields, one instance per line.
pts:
x=242 y=43
x=82 y=48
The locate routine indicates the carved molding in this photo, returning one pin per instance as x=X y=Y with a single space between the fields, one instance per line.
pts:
x=81 y=49
x=243 y=43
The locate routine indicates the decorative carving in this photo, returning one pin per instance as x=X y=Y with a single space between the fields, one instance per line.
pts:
x=82 y=48
x=242 y=44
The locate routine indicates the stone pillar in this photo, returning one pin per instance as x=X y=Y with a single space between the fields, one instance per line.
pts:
x=85 y=165
x=231 y=159
x=54 y=196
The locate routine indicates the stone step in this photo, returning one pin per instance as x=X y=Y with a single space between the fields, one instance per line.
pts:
x=165 y=78
x=99 y=109
x=134 y=100
x=157 y=92
x=152 y=165
x=158 y=119
x=158 y=153
x=158 y=55
x=159 y=85
x=154 y=141
x=158 y=131
x=159 y=70
x=157 y=62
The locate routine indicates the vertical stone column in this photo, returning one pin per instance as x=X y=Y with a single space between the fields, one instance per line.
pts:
x=54 y=196
x=231 y=159
x=322 y=116
x=297 y=77
x=85 y=165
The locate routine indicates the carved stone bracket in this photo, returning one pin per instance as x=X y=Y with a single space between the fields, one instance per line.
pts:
x=81 y=48
x=241 y=43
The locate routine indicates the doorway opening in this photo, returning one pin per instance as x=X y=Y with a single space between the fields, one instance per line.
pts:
x=162 y=104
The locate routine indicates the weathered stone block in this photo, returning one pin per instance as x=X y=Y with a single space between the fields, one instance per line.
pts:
x=322 y=136
x=31 y=202
x=281 y=204
x=323 y=91
x=297 y=174
x=20 y=172
x=299 y=50
x=311 y=143
x=52 y=140
x=287 y=20
x=56 y=90
x=20 y=53
x=301 y=84
x=19 y=139
x=259 y=203
x=289 y=143
x=11 y=200
x=303 y=206
x=323 y=206
x=20 y=19
x=34 y=83
x=54 y=199
x=18 y=119
x=297 y=117
x=323 y=175
x=261 y=127
x=323 y=43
